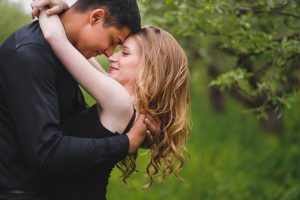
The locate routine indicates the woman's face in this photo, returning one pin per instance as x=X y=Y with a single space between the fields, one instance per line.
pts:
x=124 y=63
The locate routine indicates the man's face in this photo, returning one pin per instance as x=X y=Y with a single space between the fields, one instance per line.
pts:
x=95 y=39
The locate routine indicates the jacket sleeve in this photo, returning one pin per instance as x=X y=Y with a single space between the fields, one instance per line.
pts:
x=28 y=81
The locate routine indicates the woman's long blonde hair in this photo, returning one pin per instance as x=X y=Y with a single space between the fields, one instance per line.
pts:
x=162 y=90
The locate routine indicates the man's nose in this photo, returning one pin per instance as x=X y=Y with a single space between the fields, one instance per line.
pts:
x=108 y=52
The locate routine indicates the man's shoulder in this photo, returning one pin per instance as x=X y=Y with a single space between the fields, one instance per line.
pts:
x=26 y=42
x=30 y=34
x=26 y=35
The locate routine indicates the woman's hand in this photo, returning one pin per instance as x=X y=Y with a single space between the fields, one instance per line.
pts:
x=137 y=133
x=52 y=7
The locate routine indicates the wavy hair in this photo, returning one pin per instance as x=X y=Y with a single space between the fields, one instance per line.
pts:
x=162 y=90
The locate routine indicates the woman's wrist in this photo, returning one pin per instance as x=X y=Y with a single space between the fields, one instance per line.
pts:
x=54 y=38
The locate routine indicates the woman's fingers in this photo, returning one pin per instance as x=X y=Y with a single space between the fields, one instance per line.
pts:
x=54 y=10
x=40 y=4
x=34 y=12
x=52 y=6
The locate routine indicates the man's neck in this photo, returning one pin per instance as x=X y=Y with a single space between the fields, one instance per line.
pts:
x=73 y=22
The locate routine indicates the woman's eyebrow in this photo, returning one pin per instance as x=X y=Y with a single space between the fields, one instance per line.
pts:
x=125 y=47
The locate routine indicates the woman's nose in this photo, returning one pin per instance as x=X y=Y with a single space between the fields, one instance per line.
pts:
x=114 y=57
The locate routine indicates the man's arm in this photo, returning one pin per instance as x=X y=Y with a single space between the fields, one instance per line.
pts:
x=28 y=81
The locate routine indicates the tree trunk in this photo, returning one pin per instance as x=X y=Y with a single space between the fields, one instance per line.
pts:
x=273 y=124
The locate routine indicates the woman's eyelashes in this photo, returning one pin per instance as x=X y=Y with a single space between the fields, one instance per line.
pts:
x=124 y=53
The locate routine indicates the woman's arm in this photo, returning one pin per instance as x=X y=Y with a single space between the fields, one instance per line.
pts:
x=110 y=94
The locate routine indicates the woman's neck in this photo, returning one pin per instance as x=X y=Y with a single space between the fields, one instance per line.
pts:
x=130 y=88
x=131 y=91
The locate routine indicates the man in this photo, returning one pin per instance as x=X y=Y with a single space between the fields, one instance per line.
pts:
x=37 y=95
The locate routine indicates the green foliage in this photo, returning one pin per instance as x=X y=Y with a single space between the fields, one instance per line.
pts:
x=231 y=157
x=257 y=38
x=11 y=18
x=231 y=79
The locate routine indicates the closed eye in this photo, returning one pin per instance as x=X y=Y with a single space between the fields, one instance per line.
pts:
x=125 y=53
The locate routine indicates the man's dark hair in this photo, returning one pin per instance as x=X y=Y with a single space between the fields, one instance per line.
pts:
x=119 y=13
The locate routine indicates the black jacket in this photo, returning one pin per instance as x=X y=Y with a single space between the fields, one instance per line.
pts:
x=36 y=96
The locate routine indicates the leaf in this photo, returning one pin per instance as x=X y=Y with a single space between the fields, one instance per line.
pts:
x=169 y=2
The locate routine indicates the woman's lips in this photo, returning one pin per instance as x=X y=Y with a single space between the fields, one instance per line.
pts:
x=111 y=68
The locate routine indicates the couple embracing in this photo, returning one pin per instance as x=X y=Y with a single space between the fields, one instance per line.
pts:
x=52 y=145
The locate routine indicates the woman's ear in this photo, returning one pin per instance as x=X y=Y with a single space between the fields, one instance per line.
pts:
x=97 y=16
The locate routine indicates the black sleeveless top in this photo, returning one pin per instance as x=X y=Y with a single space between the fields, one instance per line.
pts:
x=90 y=183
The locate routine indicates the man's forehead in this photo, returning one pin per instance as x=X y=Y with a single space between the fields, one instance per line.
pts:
x=122 y=34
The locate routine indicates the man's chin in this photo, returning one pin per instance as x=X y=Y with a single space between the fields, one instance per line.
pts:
x=87 y=55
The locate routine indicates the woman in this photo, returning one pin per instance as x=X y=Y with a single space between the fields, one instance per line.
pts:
x=149 y=73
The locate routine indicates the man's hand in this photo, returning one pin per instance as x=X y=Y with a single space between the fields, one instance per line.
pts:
x=153 y=130
x=137 y=133
x=52 y=7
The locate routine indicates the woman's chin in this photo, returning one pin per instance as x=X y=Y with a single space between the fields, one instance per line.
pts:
x=112 y=75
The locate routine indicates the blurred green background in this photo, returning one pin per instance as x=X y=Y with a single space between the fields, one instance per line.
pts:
x=231 y=155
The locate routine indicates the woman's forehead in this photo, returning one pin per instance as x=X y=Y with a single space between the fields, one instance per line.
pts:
x=131 y=43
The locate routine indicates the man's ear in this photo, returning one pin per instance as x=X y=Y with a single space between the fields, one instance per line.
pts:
x=97 y=16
